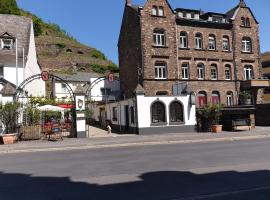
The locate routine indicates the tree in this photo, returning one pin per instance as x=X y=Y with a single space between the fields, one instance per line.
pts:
x=8 y=115
x=9 y=7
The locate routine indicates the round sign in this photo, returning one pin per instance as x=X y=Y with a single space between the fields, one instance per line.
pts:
x=45 y=76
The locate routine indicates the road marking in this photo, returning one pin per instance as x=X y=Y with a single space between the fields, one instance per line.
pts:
x=153 y=143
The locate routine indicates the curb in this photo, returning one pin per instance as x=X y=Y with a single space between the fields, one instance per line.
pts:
x=134 y=144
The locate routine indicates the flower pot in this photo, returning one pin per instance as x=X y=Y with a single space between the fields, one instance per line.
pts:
x=9 y=138
x=216 y=128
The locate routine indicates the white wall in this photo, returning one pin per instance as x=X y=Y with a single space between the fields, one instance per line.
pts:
x=60 y=93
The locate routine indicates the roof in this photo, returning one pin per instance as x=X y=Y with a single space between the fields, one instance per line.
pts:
x=79 y=77
x=18 y=27
x=188 y=10
x=9 y=89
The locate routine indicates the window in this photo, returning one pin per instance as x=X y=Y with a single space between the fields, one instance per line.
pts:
x=159 y=37
x=202 y=97
x=105 y=91
x=214 y=72
x=176 y=112
x=114 y=114
x=228 y=75
x=185 y=71
x=183 y=40
x=132 y=113
x=6 y=44
x=215 y=97
x=217 y=19
x=200 y=71
x=248 y=72
x=229 y=99
x=192 y=15
x=245 y=22
x=161 y=11
x=154 y=10
x=184 y=14
x=158 y=112
x=212 y=42
x=160 y=70
x=198 y=41
x=1 y=71
x=63 y=87
x=162 y=93
x=225 y=43
x=246 y=44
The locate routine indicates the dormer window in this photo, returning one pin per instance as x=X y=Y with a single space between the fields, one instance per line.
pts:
x=217 y=19
x=184 y=15
x=6 y=43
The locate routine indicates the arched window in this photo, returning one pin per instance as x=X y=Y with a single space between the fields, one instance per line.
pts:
x=198 y=41
x=183 y=40
x=214 y=72
x=185 y=71
x=176 y=112
x=159 y=37
x=202 y=98
x=245 y=22
x=154 y=10
x=230 y=98
x=158 y=112
x=226 y=43
x=228 y=73
x=160 y=70
x=160 y=11
x=248 y=72
x=200 y=71
x=215 y=97
x=212 y=42
x=246 y=44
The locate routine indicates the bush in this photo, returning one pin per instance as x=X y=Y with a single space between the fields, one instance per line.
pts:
x=8 y=115
x=113 y=68
x=37 y=23
x=60 y=45
x=98 y=68
x=9 y=7
x=97 y=54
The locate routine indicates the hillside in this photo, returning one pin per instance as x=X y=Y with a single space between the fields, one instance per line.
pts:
x=57 y=50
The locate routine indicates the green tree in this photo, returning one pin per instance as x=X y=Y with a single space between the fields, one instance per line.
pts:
x=8 y=115
x=9 y=7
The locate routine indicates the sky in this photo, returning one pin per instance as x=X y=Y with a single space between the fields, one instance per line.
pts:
x=97 y=22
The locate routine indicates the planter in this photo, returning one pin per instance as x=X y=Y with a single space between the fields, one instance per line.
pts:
x=9 y=138
x=216 y=128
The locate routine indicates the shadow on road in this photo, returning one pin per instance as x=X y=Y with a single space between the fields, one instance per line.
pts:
x=152 y=186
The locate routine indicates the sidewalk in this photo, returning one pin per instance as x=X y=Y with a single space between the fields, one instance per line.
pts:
x=132 y=140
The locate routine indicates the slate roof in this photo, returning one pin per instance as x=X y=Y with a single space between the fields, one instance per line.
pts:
x=79 y=77
x=17 y=27
x=9 y=89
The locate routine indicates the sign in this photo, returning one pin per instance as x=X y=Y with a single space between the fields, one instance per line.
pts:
x=111 y=77
x=45 y=76
x=80 y=103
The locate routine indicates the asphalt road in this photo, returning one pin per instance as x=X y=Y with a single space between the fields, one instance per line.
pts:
x=214 y=171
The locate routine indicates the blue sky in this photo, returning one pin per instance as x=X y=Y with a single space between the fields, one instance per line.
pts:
x=97 y=22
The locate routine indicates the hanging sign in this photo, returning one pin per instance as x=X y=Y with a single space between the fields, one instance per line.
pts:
x=45 y=76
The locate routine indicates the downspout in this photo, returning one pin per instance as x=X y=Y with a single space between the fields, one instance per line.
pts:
x=234 y=63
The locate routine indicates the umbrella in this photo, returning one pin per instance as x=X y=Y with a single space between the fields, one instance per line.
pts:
x=51 y=108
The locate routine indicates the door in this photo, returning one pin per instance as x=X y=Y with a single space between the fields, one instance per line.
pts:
x=102 y=117
x=127 y=118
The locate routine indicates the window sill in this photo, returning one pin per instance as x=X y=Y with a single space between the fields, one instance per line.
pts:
x=176 y=123
x=158 y=16
x=247 y=52
x=162 y=47
x=114 y=120
x=183 y=48
x=161 y=79
x=224 y=51
x=159 y=124
x=213 y=50
x=185 y=78
x=199 y=49
x=245 y=26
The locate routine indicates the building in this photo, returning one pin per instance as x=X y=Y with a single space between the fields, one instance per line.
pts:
x=266 y=74
x=216 y=54
x=18 y=59
x=102 y=89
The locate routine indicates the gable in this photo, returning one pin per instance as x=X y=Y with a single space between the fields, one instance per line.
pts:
x=164 y=3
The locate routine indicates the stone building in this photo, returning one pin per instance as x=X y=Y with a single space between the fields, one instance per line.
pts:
x=161 y=48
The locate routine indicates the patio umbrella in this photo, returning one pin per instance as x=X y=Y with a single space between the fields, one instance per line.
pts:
x=51 y=108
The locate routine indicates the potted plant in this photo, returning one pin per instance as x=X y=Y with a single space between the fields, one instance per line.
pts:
x=208 y=118
x=245 y=97
x=8 y=115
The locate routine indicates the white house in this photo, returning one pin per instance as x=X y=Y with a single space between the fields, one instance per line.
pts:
x=149 y=114
x=18 y=58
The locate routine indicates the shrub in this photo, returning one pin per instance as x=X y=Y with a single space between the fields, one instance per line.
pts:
x=8 y=115
x=98 y=68
x=9 y=7
x=37 y=23
x=97 y=54
x=60 y=45
x=113 y=68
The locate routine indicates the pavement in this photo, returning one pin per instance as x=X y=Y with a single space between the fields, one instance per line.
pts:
x=115 y=140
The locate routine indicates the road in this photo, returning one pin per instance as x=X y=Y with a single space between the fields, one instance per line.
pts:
x=213 y=171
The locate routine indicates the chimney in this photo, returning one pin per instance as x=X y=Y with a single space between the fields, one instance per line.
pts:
x=129 y=2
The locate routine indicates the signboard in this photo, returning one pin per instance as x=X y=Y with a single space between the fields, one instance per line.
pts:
x=80 y=103
x=45 y=76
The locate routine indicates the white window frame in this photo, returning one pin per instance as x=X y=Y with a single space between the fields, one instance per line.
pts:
x=225 y=44
x=159 y=39
x=160 y=11
x=248 y=72
x=212 y=43
x=228 y=69
x=183 y=40
x=3 y=44
x=200 y=71
x=246 y=45
x=185 y=71
x=198 y=42
x=160 y=71
x=154 y=11
x=214 y=73
x=229 y=99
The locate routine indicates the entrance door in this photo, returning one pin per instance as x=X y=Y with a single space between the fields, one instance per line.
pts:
x=102 y=116
x=127 y=118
